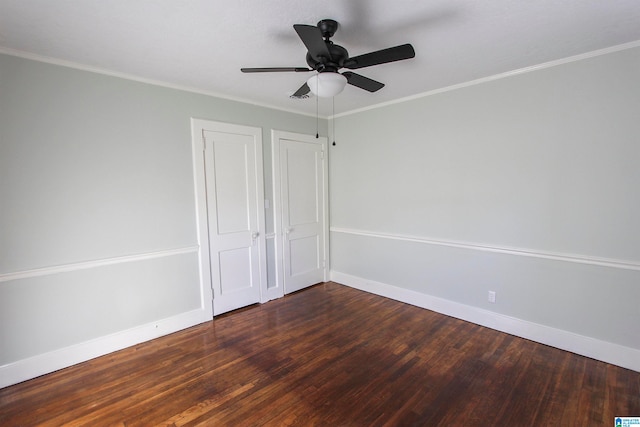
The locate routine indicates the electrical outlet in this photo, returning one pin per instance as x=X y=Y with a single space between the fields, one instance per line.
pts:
x=492 y=296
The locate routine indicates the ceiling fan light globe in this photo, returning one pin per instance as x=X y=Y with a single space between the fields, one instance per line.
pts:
x=327 y=85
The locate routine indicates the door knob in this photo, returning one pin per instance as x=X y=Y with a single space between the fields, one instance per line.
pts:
x=255 y=235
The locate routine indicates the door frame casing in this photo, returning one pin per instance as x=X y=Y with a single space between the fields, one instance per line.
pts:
x=198 y=127
x=276 y=135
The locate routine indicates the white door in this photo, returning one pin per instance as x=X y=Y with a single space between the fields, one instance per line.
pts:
x=302 y=191
x=235 y=214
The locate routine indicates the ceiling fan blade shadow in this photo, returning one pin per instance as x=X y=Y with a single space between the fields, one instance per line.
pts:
x=424 y=18
x=362 y=82
x=311 y=36
x=274 y=69
x=392 y=54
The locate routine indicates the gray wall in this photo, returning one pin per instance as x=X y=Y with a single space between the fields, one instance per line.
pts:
x=94 y=168
x=525 y=185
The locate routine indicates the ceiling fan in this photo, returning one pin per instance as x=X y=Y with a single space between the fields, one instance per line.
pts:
x=327 y=58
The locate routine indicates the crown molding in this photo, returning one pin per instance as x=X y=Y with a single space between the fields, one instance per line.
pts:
x=494 y=77
x=133 y=77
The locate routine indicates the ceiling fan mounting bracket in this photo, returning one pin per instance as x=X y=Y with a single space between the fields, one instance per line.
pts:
x=328 y=27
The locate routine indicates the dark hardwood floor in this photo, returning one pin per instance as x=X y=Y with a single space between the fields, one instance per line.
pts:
x=330 y=356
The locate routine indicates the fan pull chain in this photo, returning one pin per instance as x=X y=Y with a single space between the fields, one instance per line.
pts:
x=333 y=120
x=317 y=112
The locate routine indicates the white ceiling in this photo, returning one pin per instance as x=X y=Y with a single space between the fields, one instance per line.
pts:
x=202 y=44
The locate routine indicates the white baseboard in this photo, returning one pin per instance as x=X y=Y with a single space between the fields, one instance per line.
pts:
x=45 y=363
x=615 y=354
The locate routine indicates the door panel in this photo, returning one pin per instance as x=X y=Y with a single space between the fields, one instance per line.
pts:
x=235 y=270
x=302 y=192
x=232 y=171
x=233 y=204
x=305 y=255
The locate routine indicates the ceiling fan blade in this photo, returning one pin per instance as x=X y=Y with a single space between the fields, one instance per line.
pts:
x=304 y=90
x=311 y=36
x=362 y=82
x=383 y=56
x=274 y=69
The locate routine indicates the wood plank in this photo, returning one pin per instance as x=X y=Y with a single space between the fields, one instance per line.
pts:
x=329 y=355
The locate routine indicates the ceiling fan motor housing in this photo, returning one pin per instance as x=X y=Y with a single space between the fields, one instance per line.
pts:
x=338 y=56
